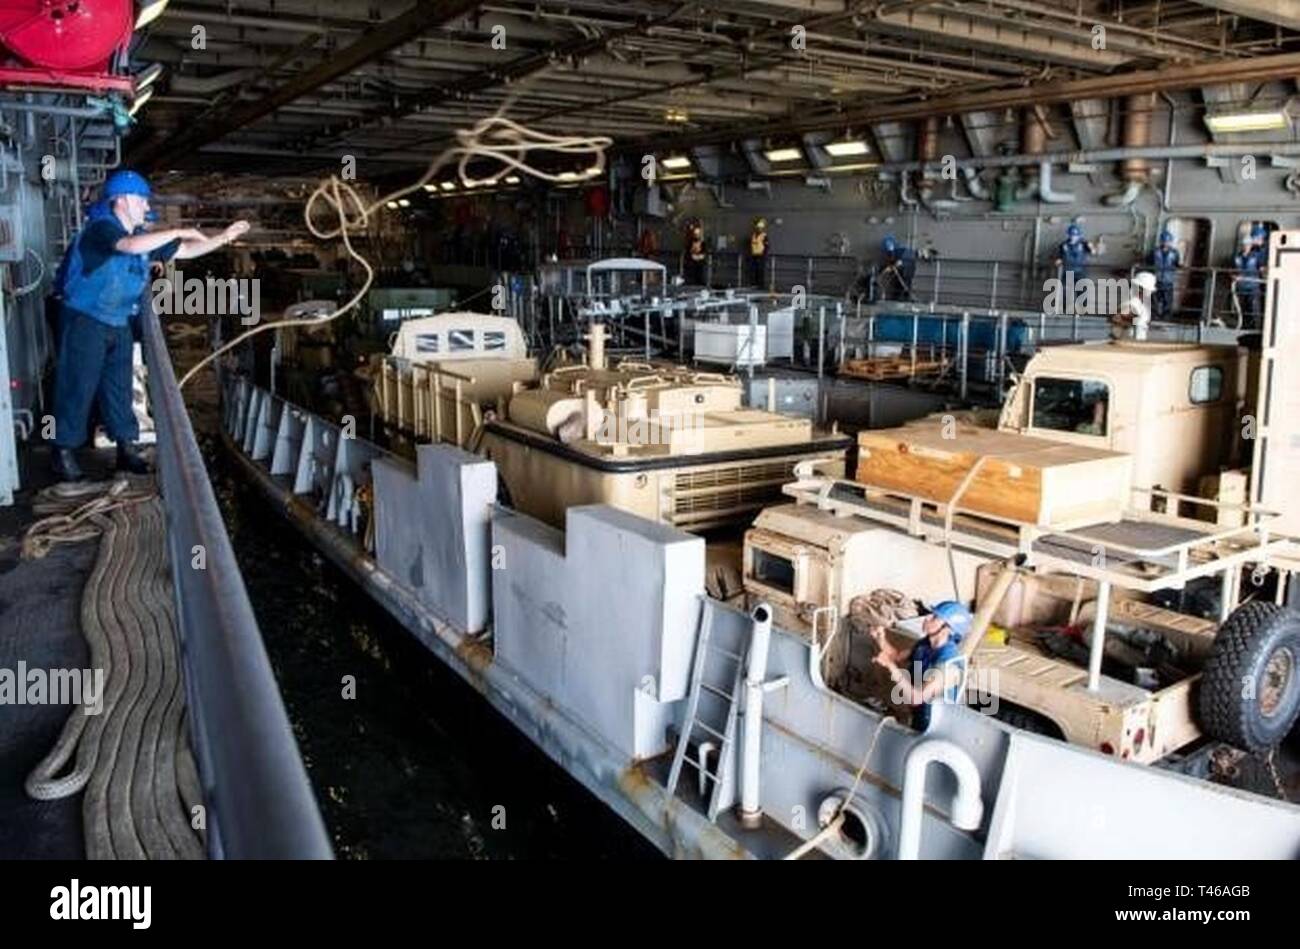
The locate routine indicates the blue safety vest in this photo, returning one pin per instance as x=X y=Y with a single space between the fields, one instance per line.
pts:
x=110 y=293
x=1074 y=256
x=1165 y=263
x=930 y=658
x=1251 y=265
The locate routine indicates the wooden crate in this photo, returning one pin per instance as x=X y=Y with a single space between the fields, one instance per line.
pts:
x=1021 y=479
x=882 y=368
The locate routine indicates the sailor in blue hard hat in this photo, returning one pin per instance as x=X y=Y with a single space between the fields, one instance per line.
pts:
x=932 y=671
x=1073 y=256
x=1250 y=265
x=896 y=271
x=103 y=279
x=1165 y=261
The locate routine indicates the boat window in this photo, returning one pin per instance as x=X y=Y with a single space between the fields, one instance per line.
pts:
x=774 y=571
x=426 y=343
x=1071 y=405
x=460 y=341
x=1206 y=384
x=494 y=341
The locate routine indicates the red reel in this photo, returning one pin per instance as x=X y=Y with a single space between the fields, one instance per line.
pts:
x=65 y=34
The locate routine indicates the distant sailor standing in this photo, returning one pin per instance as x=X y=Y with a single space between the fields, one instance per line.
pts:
x=104 y=277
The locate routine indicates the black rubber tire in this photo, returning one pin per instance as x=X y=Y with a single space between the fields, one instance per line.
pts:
x=1027 y=720
x=1233 y=681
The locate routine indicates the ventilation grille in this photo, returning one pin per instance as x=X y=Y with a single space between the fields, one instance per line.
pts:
x=715 y=496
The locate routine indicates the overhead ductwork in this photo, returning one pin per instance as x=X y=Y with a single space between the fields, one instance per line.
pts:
x=1138 y=111
x=927 y=152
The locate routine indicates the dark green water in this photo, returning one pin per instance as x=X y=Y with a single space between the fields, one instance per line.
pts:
x=416 y=763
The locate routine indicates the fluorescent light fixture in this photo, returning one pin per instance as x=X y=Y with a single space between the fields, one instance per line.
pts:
x=847 y=148
x=677 y=116
x=403 y=202
x=391 y=205
x=784 y=154
x=147 y=77
x=1247 y=121
x=430 y=187
x=140 y=100
x=675 y=162
x=852 y=166
x=512 y=179
x=150 y=10
x=448 y=186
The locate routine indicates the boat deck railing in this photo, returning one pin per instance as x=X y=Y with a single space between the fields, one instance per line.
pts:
x=259 y=801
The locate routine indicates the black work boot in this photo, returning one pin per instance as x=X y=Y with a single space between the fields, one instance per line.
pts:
x=128 y=459
x=65 y=465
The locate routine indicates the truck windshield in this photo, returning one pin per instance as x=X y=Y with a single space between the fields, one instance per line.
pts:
x=1071 y=405
x=774 y=570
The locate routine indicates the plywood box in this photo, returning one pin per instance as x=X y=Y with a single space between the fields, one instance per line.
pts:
x=1022 y=479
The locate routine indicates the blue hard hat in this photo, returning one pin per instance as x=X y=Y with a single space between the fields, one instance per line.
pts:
x=1166 y=237
x=957 y=617
x=126 y=181
x=1073 y=231
x=889 y=243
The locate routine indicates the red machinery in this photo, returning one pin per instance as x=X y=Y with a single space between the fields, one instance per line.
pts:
x=65 y=42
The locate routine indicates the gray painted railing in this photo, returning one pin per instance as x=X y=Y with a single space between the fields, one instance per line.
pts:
x=259 y=801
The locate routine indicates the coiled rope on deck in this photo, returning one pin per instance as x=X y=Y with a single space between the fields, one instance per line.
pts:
x=495 y=139
x=133 y=757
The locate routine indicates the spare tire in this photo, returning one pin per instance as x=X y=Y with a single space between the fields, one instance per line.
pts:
x=1250 y=687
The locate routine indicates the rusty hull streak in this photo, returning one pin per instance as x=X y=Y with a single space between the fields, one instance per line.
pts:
x=652 y=800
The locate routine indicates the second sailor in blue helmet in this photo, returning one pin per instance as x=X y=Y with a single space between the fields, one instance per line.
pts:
x=1165 y=261
x=103 y=277
x=896 y=271
x=932 y=670
x=1250 y=265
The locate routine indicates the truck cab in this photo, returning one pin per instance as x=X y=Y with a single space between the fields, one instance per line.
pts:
x=1175 y=408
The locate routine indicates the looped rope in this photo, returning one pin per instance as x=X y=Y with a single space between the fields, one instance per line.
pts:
x=496 y=139
x=83 y=523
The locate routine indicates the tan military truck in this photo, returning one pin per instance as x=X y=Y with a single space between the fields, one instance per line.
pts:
x=666 y=442
x=1087 y=650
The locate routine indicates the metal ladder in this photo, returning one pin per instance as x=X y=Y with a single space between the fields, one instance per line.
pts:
x=721 y=781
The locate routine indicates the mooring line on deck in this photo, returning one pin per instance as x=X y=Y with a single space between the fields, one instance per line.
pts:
x=132 y=758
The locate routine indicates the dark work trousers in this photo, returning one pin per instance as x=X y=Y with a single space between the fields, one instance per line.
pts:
x=94 y=365
x=1162 y=301
x=758 y=271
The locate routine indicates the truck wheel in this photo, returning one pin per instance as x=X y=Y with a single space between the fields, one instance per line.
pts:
x=1250 y=687
x=1027 y=720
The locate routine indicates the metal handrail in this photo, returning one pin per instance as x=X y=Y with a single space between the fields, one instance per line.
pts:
x=259 y=802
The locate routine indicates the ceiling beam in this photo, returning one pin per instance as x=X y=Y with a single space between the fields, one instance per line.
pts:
x=388 y=35
x=516 y=69
x=1284 y=13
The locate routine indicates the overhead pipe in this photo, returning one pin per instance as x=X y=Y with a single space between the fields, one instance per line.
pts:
x=1101 y=155
x=751 y=726
x=1137 y=134
x=1045 y=192
x=974 y=184
x=1033 y=141
x=927 y=151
